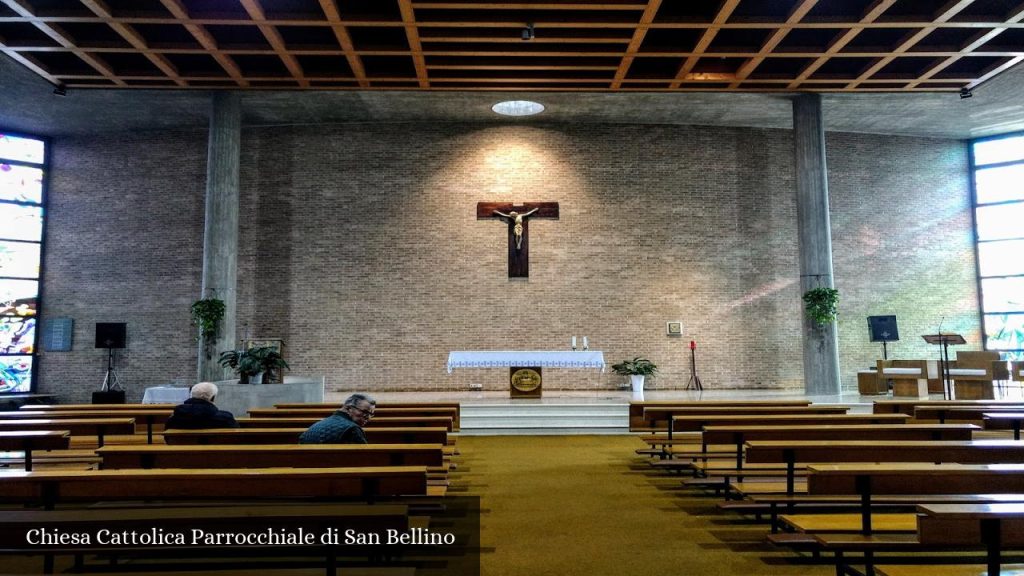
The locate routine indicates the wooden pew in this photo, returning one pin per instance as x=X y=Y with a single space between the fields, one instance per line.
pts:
x=636 y=407
x=994 y=526
x=739 y=435
x=943 y=413
x=291 y=436
x=829 y=451
x=866 y=480
x=99 y=427
x=28 y=441
x=908 y=406
x=386 y=422
x=143 y=416
x=999 y=420
x=49 y=488
x=697 y=423
x=89 y=407
x=657 y=417
x=271 y=456
x=449 y=411
x=389 y=405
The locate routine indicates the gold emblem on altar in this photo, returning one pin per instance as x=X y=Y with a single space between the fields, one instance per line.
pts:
x=525 y=379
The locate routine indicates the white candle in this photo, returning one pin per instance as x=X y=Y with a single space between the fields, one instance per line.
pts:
x=584 y=342
x=573 y=342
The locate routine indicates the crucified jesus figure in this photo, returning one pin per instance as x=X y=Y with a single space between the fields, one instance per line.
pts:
x=517 y=218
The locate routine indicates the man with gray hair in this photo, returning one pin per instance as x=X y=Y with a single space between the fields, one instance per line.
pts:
x=199 y=411
x=345 y=426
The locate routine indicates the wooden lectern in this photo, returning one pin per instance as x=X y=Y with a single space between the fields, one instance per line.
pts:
x=943 y=341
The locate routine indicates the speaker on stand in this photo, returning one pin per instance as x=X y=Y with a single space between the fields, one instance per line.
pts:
x=112 y=336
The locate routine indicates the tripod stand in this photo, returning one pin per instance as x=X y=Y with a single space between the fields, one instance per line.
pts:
x=110 y=381
x=694 y=379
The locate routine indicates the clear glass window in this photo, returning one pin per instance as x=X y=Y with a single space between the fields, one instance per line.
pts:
x=1003 y=294
x=1000 y=184
x=1000 y=222
x=1002 y=258
x=999 y=150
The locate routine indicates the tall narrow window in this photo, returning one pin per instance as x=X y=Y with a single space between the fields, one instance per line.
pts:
x=997 y=165
x=23 y=173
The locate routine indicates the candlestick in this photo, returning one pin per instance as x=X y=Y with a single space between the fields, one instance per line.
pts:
x=585 y=345
x=573 y=342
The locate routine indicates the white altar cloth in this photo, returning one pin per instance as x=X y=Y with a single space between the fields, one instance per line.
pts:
x=508 y=358
x=166 y=395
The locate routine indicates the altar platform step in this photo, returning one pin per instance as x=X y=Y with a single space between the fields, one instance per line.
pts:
x=544 y=419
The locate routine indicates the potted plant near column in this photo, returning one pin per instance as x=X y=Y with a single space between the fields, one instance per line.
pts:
x=637 y=369
x=255 y=365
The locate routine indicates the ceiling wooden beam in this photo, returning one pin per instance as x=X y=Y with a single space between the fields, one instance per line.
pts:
x=650 y=11
x=705 y=40
x=870 y=15
x=255 y=11
x=412 y=36
x=58 y=34
x=330 y=8
x=206 y=40
x=126 y=31
x=943 y=15
x=795 y=15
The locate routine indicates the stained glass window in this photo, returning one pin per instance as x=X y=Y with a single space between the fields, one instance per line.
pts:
x=19 y=259
x=15 y=374
x=998 y=166
x=22 y=149
x=22 y=182
x=21 y=223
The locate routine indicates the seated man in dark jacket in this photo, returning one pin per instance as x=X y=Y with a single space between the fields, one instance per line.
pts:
x=344 y=426
x=199 y=412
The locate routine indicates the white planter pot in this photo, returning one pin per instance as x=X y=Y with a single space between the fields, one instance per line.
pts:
x=256 y=378
x=637 y=380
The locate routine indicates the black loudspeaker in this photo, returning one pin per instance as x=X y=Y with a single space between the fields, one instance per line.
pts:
x=883 y=329
x=111 y=334
x=108 y=397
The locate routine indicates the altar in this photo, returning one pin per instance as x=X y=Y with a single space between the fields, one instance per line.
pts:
x=525 y=367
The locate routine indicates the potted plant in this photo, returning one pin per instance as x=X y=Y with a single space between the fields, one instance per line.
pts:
x=821 y=305
x=271 y=364
x=637 y=369
x=255 y=365
x=207 y=314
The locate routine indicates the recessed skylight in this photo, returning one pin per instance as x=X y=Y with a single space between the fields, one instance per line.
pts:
x=518 y=108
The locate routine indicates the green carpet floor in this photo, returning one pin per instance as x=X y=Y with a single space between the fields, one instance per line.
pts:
x=587 y=505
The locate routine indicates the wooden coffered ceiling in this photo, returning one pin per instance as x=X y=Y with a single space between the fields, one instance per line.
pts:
x=579 y=45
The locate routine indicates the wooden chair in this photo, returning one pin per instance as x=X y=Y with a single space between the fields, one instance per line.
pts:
x=974 y=374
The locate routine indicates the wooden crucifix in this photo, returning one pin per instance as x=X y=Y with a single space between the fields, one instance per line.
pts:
x=518 y=217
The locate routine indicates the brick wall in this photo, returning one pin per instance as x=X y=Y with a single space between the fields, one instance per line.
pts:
x=360 y=247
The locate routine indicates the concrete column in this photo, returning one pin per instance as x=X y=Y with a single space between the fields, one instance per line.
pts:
x=220 y=235
x=821 y=343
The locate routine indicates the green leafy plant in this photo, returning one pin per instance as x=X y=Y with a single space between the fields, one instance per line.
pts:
x=821 y=305
x=254 y=361
x=637 y=366
x=207 y=314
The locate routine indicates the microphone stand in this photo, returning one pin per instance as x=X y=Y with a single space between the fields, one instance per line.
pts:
x=694 y=379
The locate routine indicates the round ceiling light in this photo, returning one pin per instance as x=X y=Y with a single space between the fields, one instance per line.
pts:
x=518 y=108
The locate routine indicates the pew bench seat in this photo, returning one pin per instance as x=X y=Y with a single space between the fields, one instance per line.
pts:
x=946 y=570
x=835 y=523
